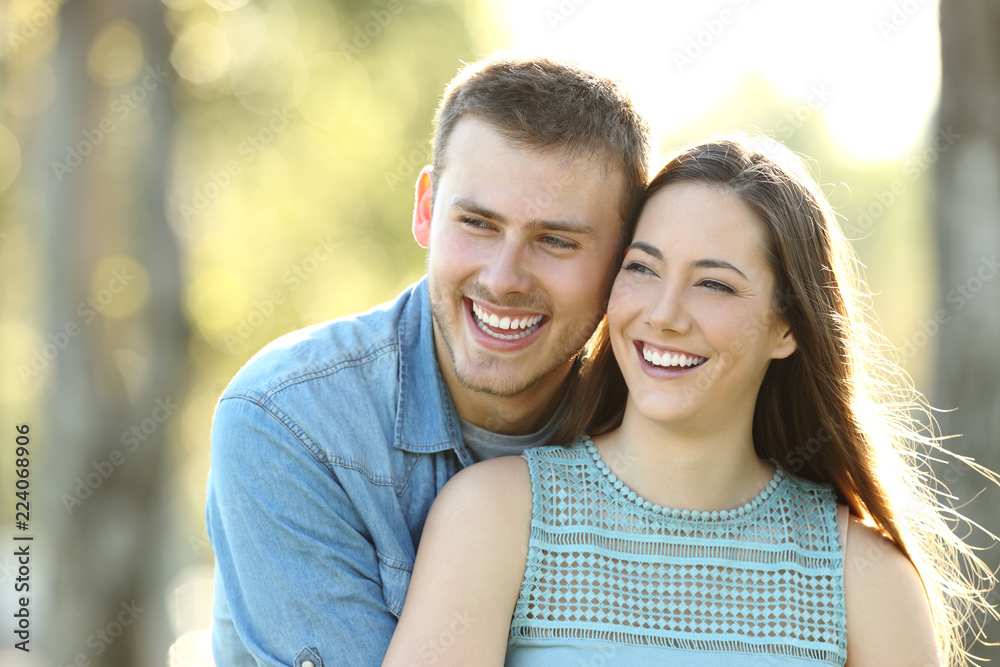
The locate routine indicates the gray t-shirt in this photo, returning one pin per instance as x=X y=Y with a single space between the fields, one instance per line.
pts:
x=483 y=444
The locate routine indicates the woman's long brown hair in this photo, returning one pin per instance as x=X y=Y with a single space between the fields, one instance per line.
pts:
x=837 y=410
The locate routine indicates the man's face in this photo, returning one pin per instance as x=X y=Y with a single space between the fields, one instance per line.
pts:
x=522 y=250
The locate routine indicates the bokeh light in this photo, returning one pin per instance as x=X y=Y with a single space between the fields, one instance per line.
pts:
x=201 y=54
x=10 y=158
x=116 y=55
x=119 y=287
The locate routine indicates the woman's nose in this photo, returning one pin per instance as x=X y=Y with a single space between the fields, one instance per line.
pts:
x=668 y=312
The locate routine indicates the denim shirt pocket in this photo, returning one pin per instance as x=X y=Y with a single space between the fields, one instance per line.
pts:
x=395 y=575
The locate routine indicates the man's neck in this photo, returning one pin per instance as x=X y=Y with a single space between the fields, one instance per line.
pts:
x=524 y=413
x=517 y=415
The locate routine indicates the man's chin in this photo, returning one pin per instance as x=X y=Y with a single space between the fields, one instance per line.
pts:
x=498 y=382
x=494 y=386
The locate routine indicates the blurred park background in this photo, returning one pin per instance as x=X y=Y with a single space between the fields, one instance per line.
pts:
x=182 y=181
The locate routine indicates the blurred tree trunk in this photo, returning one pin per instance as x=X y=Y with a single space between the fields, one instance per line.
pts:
x=968 y=233
x=117 y=367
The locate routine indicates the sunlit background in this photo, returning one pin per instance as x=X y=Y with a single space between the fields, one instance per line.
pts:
x=183 y=181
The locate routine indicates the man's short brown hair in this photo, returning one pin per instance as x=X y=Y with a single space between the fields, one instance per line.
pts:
x=552 y=104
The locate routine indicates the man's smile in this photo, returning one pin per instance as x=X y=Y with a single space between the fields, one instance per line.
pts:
x=496 y=324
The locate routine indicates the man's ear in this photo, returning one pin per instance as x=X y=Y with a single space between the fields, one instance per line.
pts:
x=422 y=207
x=785 y=342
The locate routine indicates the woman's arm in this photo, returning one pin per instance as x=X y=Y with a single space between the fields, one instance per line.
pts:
x=468 y=570
x=888 y=618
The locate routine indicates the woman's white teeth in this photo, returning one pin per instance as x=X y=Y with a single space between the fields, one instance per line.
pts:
x=494 y=320
x=668 y=359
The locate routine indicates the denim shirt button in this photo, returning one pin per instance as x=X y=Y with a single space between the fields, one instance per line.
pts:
x=308 y=657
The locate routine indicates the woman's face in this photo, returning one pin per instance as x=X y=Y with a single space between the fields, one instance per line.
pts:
x=691 y=313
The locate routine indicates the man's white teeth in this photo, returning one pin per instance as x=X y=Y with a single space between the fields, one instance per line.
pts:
x=494 y=320
x=667 y=360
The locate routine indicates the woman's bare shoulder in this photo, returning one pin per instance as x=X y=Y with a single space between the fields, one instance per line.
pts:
x=888 y=616
x=470 y=564
x=499 y=487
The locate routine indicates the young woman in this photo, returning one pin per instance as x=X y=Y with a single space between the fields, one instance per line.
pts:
x=755 y=500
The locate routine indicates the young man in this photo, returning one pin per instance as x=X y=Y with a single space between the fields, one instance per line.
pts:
x=330 y=445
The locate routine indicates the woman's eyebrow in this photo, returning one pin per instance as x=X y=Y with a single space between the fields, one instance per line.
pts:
x=716 y=264
x=698 y=264
x=647 y=248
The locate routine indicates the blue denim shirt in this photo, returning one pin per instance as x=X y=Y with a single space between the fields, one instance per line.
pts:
x=328 y=449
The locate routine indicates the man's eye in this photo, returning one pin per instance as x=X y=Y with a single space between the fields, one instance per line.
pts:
x=558 y=242
x=716 y=286
x=475 y=223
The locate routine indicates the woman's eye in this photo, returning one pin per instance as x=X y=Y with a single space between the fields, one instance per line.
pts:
x=637 y=267
x=716 y=286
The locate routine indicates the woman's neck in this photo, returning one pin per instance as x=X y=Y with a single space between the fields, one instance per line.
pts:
x=697 y=467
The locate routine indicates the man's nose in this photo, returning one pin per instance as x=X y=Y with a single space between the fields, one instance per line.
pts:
x=507 y=271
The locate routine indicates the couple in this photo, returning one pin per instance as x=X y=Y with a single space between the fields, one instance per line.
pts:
x=694 y=524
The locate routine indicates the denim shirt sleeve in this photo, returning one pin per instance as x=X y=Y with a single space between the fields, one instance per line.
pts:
x=297 y=581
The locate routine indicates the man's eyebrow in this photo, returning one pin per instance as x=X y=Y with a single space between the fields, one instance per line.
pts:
x=537 y=224
x=565 y=226
x=475 y=208
x=698 y=264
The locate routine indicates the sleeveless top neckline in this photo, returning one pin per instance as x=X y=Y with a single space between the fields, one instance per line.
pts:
x=622 y=489
x=609 y=572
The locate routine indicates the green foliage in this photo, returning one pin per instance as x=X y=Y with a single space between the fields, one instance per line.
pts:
x=301 y=129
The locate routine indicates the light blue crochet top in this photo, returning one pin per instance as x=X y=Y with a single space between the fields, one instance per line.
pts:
x=613 y=580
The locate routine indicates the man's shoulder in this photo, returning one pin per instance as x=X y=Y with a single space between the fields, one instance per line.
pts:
x=320 y=351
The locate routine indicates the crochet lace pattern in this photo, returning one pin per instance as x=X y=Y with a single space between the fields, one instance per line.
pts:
x=604 y=564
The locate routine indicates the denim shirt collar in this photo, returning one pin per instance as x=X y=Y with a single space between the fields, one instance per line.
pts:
x=426 y=420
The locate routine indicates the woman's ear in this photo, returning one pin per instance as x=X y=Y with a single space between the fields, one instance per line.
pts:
x=784 y=340
x=422 y=207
